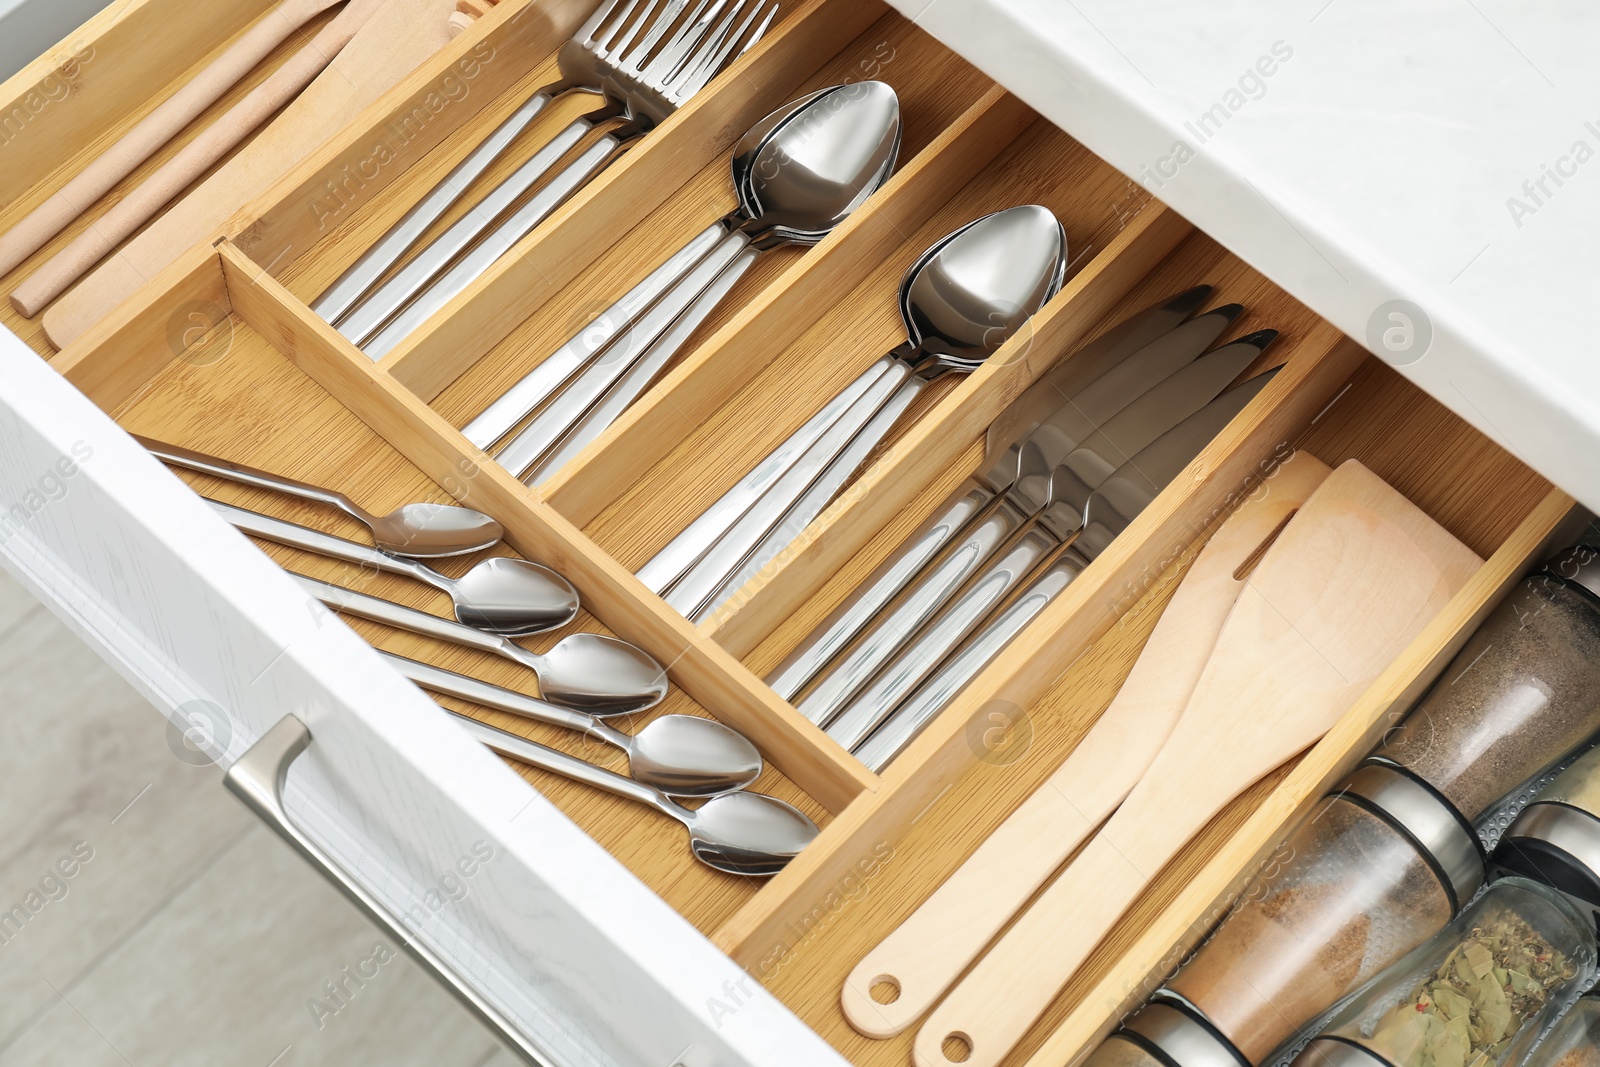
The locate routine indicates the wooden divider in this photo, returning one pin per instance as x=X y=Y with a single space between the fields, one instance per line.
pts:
x=706 y=378
x=708 y=673
x=1022 y=672
x=1138 y=971
x=598 y=215
x=939 y=438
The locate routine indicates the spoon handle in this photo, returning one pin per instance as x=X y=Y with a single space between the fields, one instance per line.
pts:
x=548 y=759
x=401 y=617
x=414 y=307
x=539 y=384
x=782 y=532
x=371 y=311
x=452 y=684
x=639 y=341
x=296 y=536
x=695 y=589
x=359 y=280
x=683 y=551
x=244 y=475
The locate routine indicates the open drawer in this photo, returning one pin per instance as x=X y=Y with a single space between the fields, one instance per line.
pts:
x=591 y=929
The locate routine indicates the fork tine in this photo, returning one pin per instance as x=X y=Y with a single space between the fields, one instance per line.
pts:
x=586 y=32
x=735 y=45
x=704 y=49
x=665 y=19
x=666 y=66
x=614 y=26
x=690 y=31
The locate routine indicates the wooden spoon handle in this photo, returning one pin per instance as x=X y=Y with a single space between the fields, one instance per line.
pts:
x=923 y=957
x=990 y=1011
x=154 y=130
x=183 y=169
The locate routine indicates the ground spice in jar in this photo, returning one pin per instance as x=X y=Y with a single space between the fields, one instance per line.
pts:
x=1523 y=692
x=1574 y=1041
x=1353 y=896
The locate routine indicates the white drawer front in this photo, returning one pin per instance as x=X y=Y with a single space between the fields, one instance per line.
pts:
x=579 y=955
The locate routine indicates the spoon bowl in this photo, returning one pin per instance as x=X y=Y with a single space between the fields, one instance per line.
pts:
x=431 y=531
x=513 y=597
x=748 y=834
x=803 y=169
x=687 y=756
x=601 y=675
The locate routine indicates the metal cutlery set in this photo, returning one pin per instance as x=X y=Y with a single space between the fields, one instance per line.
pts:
x=582 y=679
x=1067 y=467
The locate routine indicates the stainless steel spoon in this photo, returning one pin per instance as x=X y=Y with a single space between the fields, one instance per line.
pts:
x=681 y=755
x=592 y=672
x=798 y=174
x=417 y=531
x=961 y=301
x=502 y=595
x=748 y=834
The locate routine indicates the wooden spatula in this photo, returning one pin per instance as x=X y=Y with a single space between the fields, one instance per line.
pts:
x=394 y=38
x=1353 y=578
x=155 y=129
x=927 y=952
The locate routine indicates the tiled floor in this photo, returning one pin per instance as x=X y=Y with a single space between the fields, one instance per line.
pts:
x=146 y=920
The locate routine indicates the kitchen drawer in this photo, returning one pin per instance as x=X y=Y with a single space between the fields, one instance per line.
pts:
x=591 y=929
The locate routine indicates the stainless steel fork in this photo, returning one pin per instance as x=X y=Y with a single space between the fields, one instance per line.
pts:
x=649 y=70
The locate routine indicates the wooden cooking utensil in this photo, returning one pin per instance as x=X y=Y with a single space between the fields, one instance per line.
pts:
x=1353 y=578
x=929 y=950
x=154 y=130
x=397 y=37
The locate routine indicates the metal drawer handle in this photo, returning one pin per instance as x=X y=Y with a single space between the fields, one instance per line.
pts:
x=257 y=778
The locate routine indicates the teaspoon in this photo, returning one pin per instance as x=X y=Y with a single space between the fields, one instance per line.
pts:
x=961 y=301
x=502 y=595
x=798 y=174
x=748 y=834
x=681 y=755
x=418 y=531
x=592 y=672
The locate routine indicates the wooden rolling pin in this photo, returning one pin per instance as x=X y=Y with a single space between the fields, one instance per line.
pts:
x=69 y=202
x=926 y=954
x=397 y=37
x=1354 y=577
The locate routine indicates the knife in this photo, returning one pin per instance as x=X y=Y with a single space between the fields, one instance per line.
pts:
x=1108 y=511
x=1128 y=395
x=1003 y=443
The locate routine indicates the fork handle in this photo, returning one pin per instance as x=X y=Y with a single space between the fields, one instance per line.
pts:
x=358 y=281
x=539 y=384
x=496 y=242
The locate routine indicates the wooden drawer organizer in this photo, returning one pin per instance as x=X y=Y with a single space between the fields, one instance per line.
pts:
x=221 y=353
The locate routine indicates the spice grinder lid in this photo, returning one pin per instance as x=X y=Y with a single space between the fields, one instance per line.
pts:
x=1328 y=1051
x=1578 y=566
x=1411 y=806
x=1180 y=1035
x=1556 y=844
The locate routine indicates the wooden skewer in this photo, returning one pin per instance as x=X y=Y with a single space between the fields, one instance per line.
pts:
x=154 y=130
x=1353 y=578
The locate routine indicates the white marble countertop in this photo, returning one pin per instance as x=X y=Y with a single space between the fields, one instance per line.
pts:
x=1444 y=153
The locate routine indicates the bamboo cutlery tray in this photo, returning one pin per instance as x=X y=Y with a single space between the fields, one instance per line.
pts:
x=221 y=353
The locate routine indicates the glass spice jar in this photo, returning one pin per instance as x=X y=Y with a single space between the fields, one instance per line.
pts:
x=1380 y=867
x=1574 y=1041
x=1478 y=994
x=1523 y=692
x=1556 y=839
